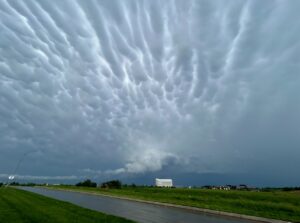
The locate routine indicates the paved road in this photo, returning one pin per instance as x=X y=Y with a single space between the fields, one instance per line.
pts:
x=139 y=212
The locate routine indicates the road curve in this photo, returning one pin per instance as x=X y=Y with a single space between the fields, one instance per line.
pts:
x=136 y=211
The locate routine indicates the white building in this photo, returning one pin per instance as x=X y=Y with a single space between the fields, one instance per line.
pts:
x=163 y=182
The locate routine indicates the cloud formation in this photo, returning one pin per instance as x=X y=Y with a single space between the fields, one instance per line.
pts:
x=131 y=87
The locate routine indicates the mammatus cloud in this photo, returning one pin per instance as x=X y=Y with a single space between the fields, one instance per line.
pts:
x=141 y=86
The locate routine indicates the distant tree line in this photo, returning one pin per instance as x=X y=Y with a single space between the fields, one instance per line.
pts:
x=290 y=188
x=270 y=189
x=117 y=184
x=131 y=185
x=112 y=184
x=86 y=183
x=30 y=184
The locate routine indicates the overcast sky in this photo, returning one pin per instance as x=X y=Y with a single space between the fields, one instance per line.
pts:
x=134 y=89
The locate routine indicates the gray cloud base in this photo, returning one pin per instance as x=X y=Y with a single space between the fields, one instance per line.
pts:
x=131 y=87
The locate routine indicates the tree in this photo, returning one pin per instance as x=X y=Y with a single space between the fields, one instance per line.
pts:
x=14 y=184
x=114 y=184
x=86 y=183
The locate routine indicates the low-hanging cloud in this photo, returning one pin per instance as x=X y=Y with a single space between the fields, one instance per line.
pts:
x=138 y=86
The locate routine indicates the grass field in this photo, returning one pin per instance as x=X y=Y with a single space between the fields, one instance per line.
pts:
x=22 y=206
x=275 y=205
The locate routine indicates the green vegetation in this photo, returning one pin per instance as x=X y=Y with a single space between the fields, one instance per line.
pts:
x=275 y=204
x=113 y=184
x=22 y=206
x=86 y=183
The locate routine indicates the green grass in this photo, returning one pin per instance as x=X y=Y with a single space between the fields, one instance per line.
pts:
x=275 y=205
x=21 y=206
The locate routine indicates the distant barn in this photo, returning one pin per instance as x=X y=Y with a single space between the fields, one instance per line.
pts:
x=163 y=182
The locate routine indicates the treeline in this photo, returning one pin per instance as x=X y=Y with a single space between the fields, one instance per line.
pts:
x=117 y=184
x=270 y=189
x=113 y=184
x=22 y=184
x=86 y=183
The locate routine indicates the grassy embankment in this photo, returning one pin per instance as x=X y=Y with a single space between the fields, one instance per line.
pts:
x=22 y=206
x=276 y=205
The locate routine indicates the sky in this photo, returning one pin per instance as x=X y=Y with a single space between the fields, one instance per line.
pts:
x=203 y=92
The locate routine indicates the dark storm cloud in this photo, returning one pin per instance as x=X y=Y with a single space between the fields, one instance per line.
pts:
x=130 y=87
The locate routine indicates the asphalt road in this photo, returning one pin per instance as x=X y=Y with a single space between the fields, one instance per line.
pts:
x=137 y=211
